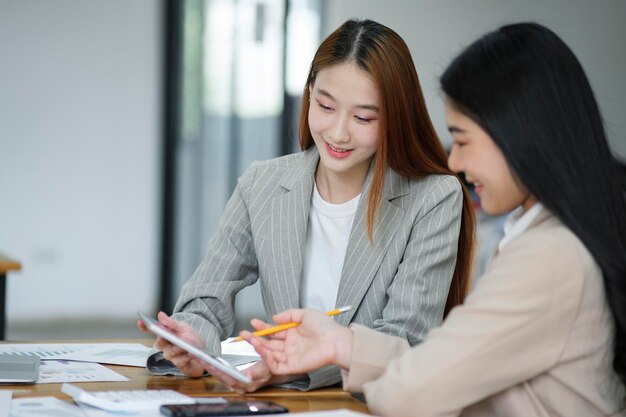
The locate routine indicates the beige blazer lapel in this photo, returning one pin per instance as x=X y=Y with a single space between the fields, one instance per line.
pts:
x=288 y=227
x=363 y=258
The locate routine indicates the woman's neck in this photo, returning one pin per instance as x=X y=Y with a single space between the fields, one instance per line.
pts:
x=528 y=202
x=338 y=188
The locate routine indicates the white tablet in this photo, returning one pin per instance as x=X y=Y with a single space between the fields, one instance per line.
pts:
x=215 y=361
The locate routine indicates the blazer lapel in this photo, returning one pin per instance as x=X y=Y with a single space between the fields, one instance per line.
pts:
x=363 y=258
x=288 y=226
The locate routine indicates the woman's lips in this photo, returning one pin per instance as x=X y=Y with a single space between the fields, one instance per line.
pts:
x=337 y=152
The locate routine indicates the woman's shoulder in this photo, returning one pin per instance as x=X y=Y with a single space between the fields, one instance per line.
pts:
x=551 y=247
x=275 y=174
x=281 y=163
x=446 y=183
x=427 y=192
x=549 y=234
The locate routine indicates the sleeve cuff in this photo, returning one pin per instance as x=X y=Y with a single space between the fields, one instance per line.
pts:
x=371 y=352
x=157 y=365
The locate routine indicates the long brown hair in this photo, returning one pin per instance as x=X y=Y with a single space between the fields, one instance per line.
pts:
x=407 y=141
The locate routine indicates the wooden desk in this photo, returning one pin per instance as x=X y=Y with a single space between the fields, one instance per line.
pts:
x=6 y=265
x=295 y=401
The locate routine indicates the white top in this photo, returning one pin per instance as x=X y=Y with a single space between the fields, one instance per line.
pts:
x=326 y=242
x=518 y=222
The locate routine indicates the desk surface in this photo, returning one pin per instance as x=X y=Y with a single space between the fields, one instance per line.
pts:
x=295 y=401
x=7 y=264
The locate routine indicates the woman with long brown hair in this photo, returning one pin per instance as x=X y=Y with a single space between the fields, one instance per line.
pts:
x=367 y=215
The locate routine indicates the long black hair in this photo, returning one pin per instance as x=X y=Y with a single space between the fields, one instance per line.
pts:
x=527 y=90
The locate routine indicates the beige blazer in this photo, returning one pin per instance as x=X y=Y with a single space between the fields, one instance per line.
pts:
x=533 y=339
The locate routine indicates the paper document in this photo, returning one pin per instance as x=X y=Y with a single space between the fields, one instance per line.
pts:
x=239 y=348
x=43 y=406
x=58 y=371
x=240 y=354
x=130 y=354
x=44 y=351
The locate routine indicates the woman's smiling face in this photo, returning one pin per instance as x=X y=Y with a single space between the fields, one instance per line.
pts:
x=476 y=155
x=343 y=119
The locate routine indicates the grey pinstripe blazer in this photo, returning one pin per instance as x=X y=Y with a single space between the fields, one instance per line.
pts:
x=398 y=285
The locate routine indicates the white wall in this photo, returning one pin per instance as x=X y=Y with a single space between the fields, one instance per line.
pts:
x=80 y=91
x=436 y=31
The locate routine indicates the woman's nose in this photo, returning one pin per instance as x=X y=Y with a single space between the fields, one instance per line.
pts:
x=454 y=161
x=339 y=131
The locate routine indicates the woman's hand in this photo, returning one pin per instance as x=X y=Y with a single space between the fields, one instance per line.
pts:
x=259 y=373
x=184 y=361
x=318 y=341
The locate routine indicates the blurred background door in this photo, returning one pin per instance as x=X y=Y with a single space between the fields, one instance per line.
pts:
x=237 y=70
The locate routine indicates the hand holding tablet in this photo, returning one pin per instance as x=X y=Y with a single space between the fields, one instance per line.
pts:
x=215 y=361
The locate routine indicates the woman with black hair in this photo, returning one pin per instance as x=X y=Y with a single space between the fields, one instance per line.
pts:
x=544 y=331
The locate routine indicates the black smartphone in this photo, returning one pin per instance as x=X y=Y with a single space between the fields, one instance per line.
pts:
x=231 y=408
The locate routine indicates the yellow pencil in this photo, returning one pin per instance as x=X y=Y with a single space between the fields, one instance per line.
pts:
x=281 y=327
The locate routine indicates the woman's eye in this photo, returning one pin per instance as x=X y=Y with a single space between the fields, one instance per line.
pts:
x=362 y=119
x=324 y=107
